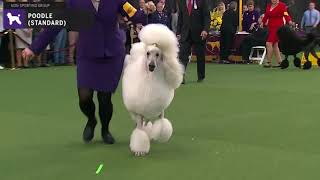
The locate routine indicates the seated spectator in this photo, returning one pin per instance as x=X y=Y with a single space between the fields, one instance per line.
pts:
x=216 y=16
x=160 y=17
x=258 y=37
x=228 y=30
x=311 y=18
x=250 y=17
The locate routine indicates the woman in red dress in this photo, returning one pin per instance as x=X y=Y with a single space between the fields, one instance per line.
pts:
x=275 y=17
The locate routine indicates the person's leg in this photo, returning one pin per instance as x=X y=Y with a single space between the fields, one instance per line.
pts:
x=269 y=46
x=63 y=46
x=226 y=40
x=19 y=58
x=185 y=51
x=56 y=47
x=88 y=109
x=277 y=53
x=174 y=22
x=228 y=45
x=222 y=47
x=105 y=114
x=200 y=49
x=245 y=49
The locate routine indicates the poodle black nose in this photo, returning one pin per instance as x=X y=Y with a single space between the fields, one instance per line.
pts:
x=151 y=67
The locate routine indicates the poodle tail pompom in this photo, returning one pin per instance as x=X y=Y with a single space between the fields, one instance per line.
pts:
x=162 y=130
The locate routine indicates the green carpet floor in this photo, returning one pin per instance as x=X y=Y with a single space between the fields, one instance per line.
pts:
x=243 y=123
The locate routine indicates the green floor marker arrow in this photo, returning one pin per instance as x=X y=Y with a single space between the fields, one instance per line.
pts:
x=99 y=169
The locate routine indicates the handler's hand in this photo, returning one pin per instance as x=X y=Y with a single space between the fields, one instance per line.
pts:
x=252 y=26
x=149 y=8
x=27 y=54
x=204 y=35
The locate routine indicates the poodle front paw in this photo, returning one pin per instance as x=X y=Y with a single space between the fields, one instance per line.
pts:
x=161 y=130
x=139 y=142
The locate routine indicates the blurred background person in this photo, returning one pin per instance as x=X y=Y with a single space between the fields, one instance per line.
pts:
x=250 y=17
x=228 y=30
x=274 y=17
x=173 y=5
x=311 y=18
x=23 y=38
x=293 y=10
x=192 y=30
x=216 y=16
x=59 y=46
x=244 y=8
x=160 y=17
x=170 y=9
x=258 y=37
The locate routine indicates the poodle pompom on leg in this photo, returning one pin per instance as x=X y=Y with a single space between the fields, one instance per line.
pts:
x=139 y=142
x=162 y=130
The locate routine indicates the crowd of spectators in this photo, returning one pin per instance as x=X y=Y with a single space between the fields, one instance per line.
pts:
x=224 y=20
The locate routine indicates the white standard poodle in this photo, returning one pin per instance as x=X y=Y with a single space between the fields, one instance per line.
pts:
x=151 y=74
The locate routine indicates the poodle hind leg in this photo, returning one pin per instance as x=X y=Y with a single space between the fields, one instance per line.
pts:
x=162 y=129
x=139 y=141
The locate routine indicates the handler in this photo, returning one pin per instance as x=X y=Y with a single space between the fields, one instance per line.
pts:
x=100 y=57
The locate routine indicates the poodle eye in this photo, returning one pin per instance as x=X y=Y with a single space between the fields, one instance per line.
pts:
x=148 y=53
x=157 y=54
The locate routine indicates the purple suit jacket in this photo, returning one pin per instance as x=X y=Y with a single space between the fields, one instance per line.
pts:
x=103 y=40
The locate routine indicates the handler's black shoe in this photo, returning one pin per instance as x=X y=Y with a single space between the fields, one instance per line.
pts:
x=107 y=136
x=88 y=132
x=200 y=80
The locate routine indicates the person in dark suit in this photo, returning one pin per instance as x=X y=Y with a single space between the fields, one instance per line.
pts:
x=193 y=27
x=228 y=30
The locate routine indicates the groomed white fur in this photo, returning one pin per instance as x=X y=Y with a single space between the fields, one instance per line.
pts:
x=147 y=93
x=139 y=142
x=161 y=130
